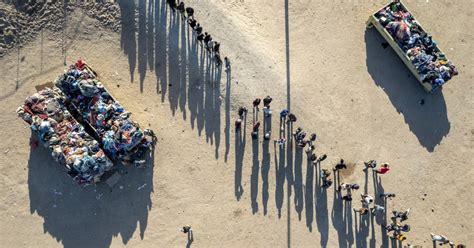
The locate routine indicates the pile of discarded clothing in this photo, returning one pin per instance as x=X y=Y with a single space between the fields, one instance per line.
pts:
x=431 y=64
x=58 y=130
x=84 y=126
x=119 y=135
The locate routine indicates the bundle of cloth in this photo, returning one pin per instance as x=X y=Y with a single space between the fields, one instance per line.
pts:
x=58 y=130
x=431 y=64
x=118 y=134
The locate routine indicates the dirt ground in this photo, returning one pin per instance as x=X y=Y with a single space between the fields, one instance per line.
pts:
x=315 y=58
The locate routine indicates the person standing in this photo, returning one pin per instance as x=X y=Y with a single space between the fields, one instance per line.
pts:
x=387 y=195
x=366 y=199
x=291 y=118
x=255 y=130
x=266 y=106
x=341 y=165
x=186 y=229
x=238 y=124
x=181 y=9
x=402 y=215
x=190 y=13
x=361 y=211
x=227 y=64
x=377 y=210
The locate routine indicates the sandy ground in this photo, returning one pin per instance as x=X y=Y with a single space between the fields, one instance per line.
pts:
x=238 y=192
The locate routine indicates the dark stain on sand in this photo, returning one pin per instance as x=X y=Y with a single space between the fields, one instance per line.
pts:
x=346 y=173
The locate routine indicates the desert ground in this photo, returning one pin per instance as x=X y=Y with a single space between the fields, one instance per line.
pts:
x=315 y=58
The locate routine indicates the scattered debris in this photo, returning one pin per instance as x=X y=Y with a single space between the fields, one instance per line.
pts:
x=141 y=187
x=112 y=180
x=99 y=196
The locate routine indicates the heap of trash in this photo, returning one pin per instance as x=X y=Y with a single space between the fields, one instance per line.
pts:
x=84 y=126
x=423 y=52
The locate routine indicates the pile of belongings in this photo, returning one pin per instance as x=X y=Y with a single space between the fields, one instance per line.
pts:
x=58 y=130
x=119 y=136
x=423 y=52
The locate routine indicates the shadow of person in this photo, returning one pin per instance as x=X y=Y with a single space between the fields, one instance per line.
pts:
x=280 y=176
x=254 y=175
x=337 y=215
x=265 y=163
x=429 y=122
x=88 y=216
x=227 y=115
x=308 y=193
x=160 y=48
x=322 y=220
x=143 y=38
x=190 y=238
x=128 y=41
x=174 y=66
x=348 y=223
x=298 y=183
x=381 y=219
x=362 y=230
x=240 y=140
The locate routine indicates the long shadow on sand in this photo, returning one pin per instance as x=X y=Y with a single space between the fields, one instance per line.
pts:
x=88 y=216
x=429 y=122
x=183 y=69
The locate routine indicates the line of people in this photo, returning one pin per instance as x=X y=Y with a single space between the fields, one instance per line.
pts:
x=397 y=228
x=212 y=46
